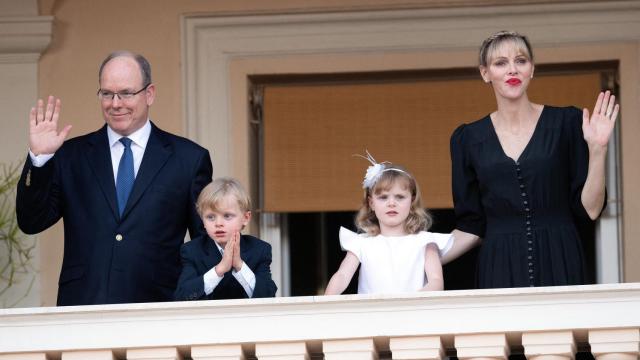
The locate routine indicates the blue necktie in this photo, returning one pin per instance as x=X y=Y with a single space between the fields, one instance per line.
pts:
x=124 y=181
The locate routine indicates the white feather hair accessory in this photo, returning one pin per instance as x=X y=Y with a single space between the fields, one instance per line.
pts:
x=374 y=171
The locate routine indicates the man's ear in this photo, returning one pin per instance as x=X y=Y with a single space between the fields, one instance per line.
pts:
x=150 y=94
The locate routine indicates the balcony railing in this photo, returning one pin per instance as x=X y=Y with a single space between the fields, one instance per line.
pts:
x=542 y=323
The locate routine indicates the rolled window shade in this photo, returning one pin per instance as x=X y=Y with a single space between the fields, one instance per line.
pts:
x=312 y=131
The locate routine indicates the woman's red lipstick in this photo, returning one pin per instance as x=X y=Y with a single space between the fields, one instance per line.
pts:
x=514 y=81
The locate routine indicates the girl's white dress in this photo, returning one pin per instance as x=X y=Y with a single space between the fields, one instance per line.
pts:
x=392 y=264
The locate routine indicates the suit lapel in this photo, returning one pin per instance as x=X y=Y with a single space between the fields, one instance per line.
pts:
x=244 y=249
x=98 y=156
x=212 y=254
x=156 y=154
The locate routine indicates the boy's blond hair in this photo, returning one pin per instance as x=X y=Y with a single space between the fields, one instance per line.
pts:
x=212 y=194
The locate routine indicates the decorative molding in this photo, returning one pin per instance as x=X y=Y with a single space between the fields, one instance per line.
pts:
x=24 y=38
x=21 y=7
x=19 y=58
x=211 y=43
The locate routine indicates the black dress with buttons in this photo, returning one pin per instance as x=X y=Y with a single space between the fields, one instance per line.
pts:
x=523 y=209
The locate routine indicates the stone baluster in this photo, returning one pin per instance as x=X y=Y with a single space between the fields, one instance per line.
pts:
x=162 y=353
x=350 y=349
x=218 y=352
x=88 y=355
x=24 y=356
x=615 y=344
x=282 y=351
x=551 y=345
x=482 y=346
x=417 y=347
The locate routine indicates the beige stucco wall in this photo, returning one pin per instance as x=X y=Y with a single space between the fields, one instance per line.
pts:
x=86 y=31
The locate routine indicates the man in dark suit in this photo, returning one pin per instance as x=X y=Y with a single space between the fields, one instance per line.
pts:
x=126 y=192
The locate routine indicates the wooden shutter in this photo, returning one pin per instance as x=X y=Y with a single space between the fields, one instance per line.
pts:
x=312 y=131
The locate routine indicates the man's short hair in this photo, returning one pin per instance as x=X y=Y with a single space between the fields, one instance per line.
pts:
x=143 y=64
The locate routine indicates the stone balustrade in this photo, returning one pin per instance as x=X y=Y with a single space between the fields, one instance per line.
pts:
x=543 y=323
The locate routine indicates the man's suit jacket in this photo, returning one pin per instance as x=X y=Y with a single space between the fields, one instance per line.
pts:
x=110 y=258
x=201 y=255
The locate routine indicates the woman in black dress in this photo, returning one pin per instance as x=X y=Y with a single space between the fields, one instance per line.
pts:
x=522 y=173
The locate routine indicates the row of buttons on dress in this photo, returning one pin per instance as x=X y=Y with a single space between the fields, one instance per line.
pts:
x=527 y=210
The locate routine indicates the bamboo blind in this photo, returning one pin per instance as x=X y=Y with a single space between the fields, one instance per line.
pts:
x=312 y=131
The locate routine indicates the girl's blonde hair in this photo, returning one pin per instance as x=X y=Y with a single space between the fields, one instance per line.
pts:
x=493 y=42
x=212 y=194
x=418 y=220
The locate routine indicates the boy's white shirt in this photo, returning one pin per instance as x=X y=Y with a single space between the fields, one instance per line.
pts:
x=245 y=277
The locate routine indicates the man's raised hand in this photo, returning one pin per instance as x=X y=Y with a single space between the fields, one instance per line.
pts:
x=44 y=137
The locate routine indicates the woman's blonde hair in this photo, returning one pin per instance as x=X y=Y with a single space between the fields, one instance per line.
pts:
x=418 y=220
x=212 y=194
x=493 y=42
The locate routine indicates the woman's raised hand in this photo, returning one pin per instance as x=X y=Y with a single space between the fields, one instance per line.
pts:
x=44 y=137
x=598 y=127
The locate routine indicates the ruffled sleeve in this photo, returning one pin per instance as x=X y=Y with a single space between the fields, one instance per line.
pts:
x=466 y=190
x=350 y=241
x=443 y=241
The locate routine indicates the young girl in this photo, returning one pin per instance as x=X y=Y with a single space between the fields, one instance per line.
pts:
x=396 y=252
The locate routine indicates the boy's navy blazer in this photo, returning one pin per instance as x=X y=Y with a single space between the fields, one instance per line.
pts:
x=110 y=258
x=201 y=255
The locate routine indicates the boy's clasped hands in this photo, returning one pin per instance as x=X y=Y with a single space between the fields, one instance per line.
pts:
x=230 y=256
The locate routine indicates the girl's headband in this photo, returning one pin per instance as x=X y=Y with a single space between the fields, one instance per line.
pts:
x=375 y=171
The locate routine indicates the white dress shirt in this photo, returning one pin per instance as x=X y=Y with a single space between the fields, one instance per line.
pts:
x=245 y=277
x=139 y=140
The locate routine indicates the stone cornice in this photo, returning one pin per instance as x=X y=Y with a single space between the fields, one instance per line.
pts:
x=24 y=38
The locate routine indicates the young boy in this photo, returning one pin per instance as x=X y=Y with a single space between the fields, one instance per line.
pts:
x=225 y=264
